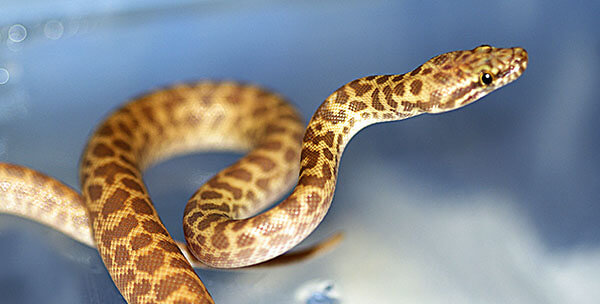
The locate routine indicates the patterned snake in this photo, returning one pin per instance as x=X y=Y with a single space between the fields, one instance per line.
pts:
x=145 y=263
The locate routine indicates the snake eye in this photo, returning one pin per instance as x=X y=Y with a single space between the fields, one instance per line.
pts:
x=485 y=78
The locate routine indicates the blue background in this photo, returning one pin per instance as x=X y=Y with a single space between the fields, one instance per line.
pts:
x=495 y=203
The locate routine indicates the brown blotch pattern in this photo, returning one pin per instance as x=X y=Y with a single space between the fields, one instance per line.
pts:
x=328 y=138
x=399 y=89
x=359 y=89
x=172 y=283
x=121 y=255
x=141 y=206
x=383 y=79
x=168 y=246
x=334 y=118
x=211 y=206
x=357 y=106
x=441 y=78
x=327 y=154
x=110 y=170
x=264 y=163
x=194 y=217
x=389 y=97
x=309 y=158
x=115 y=201
x=375 y=100
x=312 y=180
x=271 y=145
x=292 y=206
x=178 y=263
x=125 y=129
x=128 y=161
x=105 y=130
x=273 y=129
x=125 y=226
x=239 y=173
x=263 y=183
x=210 y=195
x=290 y=155
x=140 y=241
x=461 y=92
x=440 y=60
x=236 y=192
x=250 y=196
x=94 y=191
x=245 y=240
x=326 y=171
x=266 y=226
x=142 y=287
x=122 y=145
x=131 y=184
x=416 y=71
x=102 y=150
x=415 y=87
x=153 y=227
x=208 y=220
x=124 y=279
x=150 y=262
x=219 y=240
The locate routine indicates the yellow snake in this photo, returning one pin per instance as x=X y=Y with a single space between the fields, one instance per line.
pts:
x=145 y=263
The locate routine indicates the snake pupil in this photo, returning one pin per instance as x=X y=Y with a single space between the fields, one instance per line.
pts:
x=486 y=78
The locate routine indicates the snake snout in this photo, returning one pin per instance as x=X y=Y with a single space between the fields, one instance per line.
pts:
x=520 y=58
x=511 y=64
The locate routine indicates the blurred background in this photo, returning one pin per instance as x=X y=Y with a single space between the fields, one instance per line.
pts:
x=495 y=203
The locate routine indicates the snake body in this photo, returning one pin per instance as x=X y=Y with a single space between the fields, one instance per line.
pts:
x=145 y=263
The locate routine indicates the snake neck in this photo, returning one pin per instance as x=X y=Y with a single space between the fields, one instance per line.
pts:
x=349 y=109
x=352 y=107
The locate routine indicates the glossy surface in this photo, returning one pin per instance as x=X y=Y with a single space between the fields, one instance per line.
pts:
x=515 y=220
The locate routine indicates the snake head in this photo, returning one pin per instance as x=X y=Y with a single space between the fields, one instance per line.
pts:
x=461 y=77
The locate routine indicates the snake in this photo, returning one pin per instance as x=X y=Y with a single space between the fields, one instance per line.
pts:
x=227 y=222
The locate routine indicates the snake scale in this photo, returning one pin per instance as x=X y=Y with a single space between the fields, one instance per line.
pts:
x=145 y=263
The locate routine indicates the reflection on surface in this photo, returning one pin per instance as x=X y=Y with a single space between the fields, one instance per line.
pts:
x=4 y=76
